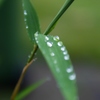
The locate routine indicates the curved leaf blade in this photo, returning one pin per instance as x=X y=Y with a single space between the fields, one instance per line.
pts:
x=59 y=62
x=31 y=19
x=29 y=89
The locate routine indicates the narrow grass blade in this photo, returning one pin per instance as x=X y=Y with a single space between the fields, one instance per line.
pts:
x=59 y=62
x=29 y=89
x=31 y=19
x=57 y=17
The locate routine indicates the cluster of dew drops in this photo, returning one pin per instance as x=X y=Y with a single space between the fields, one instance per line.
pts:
x=69 y=70
x=25 y=13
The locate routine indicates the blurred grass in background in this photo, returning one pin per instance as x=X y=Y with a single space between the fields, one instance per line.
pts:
x=78 y=28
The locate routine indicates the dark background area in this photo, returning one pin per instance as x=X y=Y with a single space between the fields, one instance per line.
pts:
x=78 y=28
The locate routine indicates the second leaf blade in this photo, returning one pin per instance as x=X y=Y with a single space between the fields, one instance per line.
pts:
x=59 y=62
x=31 y=19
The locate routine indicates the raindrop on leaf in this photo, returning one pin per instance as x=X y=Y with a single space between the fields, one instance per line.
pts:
x=50 y=44
x=56 y=38
x=66 y=57
x=60 y=43
x=72 y=77
x=25 y=12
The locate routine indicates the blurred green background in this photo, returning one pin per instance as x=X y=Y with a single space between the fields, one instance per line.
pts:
x=78 y=28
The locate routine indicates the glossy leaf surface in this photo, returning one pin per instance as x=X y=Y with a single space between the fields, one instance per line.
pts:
x=60 y=65
x=31 y=19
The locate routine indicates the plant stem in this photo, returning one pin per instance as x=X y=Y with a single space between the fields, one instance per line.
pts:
x=17 y=87
x=59 y=14
x=33 y=53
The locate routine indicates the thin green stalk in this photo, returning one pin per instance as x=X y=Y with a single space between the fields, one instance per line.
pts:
x=57 y=17
x=33 y=53
x=17 y=87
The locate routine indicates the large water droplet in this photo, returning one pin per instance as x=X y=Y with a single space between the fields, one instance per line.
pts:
x=56 y=38
x=52 y=54
x=60 y=43
x=68 y=70
x=25 y=12
x=72 y=77
x=50 y=44
x=66 y=57
x=63 y=48
x=46 y=38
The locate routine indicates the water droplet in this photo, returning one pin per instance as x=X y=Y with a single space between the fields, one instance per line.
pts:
x=57 y=69
x=36 y=34
x=25 y=19
x=26 y=27
x=60 y=43
x=63 y=48
x=55 y=61
x=52 y=54
x=35 y=54
x=72 y=77
x=56 y=38
x=50 y=44
x=29 y=56
x=31 y=52
x=69 y=69
x=46 y=38
x=37 y=41
x=25 y=12
x=65 y=52
x=66 y=57
x=35 y=59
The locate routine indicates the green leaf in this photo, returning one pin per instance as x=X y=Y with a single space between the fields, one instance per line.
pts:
x=57 y=17
x=29 y=89
x=59 y=62
x=31 y=19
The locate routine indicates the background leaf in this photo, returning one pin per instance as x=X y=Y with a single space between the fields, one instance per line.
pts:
x=59 y=62
x=31 y=19
x=29 y=89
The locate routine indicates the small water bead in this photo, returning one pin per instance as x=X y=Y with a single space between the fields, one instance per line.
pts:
x=29 y=56
x=52 y=54
x=26 y=27
x=59 y=43
x=37 y=41
x=65 y=52
x=57 y=69
x=50 y=44
x=66 y=57
x=36 y=34
x=72 y=77
x=56 y=38
x=69 y=69
x=25 y=19
x=46 y=38
x=63 y=48
x=25 y=12
x=55 y=61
